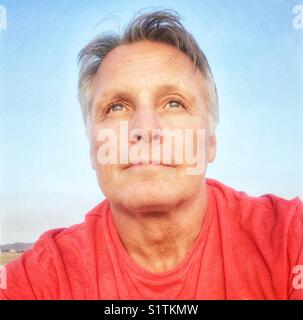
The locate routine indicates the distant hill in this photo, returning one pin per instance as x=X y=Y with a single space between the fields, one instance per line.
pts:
x=18 y=247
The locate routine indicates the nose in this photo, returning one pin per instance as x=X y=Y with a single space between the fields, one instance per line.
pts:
x=145 y=125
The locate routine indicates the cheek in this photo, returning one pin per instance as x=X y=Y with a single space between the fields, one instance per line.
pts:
x=178 y=120
x=102 y=141
x=196 y=148
x=94 y=146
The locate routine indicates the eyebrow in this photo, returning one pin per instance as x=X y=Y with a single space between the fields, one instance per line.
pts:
x=118 y=92
x=176 y=88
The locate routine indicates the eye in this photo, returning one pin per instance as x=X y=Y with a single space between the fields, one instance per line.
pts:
x=174 y=104
x=115 y=107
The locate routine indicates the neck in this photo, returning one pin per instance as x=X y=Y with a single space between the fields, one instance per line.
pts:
x=159 y=241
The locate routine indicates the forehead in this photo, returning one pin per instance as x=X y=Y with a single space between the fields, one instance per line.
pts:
x=147 y=64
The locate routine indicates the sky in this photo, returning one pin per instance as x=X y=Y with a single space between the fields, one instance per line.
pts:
x=256 y=56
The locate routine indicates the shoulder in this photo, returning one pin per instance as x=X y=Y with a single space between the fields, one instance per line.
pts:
x=266 y=202
x=52 y=258
x=51 y=244
x=267 y=212
x=264 y=234
x=76 y=233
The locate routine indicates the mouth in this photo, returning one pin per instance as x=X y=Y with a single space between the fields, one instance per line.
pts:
x=148 y=165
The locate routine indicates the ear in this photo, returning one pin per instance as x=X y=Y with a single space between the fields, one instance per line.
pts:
x=212 y=148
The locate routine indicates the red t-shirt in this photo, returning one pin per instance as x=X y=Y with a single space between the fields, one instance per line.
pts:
x=248 y=248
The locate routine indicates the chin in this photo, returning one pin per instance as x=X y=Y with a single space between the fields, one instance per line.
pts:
x=151 y=199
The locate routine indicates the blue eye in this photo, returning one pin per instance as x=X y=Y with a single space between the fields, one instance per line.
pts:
x=174 y=104
x=115 y=108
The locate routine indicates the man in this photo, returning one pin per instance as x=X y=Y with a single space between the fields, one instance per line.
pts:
x=164 y=230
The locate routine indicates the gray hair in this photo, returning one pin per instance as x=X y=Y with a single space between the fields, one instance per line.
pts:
x=162 y=26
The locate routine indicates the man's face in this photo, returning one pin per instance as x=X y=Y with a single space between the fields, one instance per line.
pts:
x=149 y=86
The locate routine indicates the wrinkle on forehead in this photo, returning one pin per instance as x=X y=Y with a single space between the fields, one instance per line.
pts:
x=147 y=56
x=147 y=65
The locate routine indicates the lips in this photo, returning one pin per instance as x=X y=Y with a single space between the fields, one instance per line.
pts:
x=148 y=164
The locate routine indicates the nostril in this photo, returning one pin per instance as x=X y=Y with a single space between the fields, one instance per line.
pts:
x=156 y=137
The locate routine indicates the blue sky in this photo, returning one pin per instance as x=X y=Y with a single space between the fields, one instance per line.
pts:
x=45 y=175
